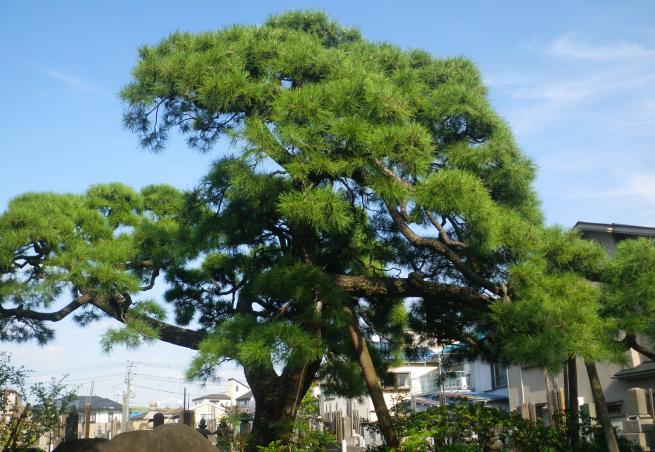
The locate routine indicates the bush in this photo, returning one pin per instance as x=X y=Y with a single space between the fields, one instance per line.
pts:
x=472 y=427
x=465 y=427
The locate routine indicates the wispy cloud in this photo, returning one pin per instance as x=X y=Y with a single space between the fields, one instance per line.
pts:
x=568 y=46
x=71 y=80
x=541 y=99
x=638 y=185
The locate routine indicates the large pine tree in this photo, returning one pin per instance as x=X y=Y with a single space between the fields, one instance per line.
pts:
x=370 y=189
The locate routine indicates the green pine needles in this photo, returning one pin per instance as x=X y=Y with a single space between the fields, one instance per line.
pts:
x=370 y=189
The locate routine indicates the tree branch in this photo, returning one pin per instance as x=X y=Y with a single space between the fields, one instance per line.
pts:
x=412 y=286
x=168 y=333
x=442 y=249
x=46 y=316
x=630 y=341
x=443 y=235
x=172 y=334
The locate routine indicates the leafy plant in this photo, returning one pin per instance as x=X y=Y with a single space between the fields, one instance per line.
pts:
x=21 y=425
x=306 y=435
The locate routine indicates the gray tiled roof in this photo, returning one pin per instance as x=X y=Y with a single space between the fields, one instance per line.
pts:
x=246 y=396
x=97 y=404
x=213 y=397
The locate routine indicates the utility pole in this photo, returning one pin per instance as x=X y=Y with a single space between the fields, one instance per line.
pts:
x=126 y=399
x=87 y=413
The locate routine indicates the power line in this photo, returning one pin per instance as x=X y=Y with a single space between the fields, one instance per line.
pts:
x=81 y=369
x=162 y=390
x=159 y=377
x=166 y=365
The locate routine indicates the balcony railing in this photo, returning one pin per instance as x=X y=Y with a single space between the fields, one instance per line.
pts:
x=460 y=380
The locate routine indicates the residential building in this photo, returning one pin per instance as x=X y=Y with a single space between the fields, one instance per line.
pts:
x=104 y=416
x=245 y=403
x=420 y=384
x=212 y=407
x=10 y=399
x=143 y=420
x=527 y=385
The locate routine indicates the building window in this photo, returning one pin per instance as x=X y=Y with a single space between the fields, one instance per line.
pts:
x=498 y=376
x=397 y=380
x=615 y=409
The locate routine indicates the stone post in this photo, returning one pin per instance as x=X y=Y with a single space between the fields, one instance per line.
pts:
x=72 y=421
x=638 y=427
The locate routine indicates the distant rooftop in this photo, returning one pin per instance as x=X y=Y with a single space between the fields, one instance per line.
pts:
x=615 y=228
x=97 y=404
x=246 y=396
x=213 y=397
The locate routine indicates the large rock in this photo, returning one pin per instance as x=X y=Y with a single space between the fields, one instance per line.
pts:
x=81 y=445
x=167 y=438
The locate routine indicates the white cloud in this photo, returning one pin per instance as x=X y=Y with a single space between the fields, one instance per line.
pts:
x=568 y=47
x=71 y=80
x=640 y=184
x=539 y=100
x=637 y=120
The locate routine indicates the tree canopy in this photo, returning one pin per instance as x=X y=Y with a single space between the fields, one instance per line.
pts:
x=364 y=180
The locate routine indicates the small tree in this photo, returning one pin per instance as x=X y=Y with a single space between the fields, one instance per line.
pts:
x=22 y=423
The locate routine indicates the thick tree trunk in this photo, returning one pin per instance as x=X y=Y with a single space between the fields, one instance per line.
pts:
x=574 y=412
x=277 y=399
x=373 y=384
x=601 y=408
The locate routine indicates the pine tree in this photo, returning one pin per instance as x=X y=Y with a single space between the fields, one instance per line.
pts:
x=371 y=188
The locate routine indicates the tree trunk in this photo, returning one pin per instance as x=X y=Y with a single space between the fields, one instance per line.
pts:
x=373 y=383
x=277 y=399
x=574 y=412
x=601 y=408
x=550 y=399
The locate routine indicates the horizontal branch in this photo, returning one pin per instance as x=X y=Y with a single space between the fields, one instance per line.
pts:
x=412 y=286
x=176 y=335
x=172 y=334
x=443 y=249
x=631 y=342
x=45 y=316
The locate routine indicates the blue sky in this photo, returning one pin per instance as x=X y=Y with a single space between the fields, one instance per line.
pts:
x=575 y=81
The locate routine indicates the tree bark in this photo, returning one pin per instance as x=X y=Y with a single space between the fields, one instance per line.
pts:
x=574 y=412
x=601 y=408
x=373 y=384
x=278 y=399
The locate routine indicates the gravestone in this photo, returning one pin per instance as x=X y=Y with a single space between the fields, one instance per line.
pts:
x=157 y=420
x=638 y=427
x=188 y=418
x=72 y=421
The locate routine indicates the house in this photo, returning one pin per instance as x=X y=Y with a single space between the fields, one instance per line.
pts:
x=143 y=420
x=236 y=389
x=418 y=384
x=246 y=403
x=527 y=384
x=104 y=419
x=212 y=407
x=10 y=402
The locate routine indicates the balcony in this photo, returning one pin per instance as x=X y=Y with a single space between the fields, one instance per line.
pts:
x=459 y=380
